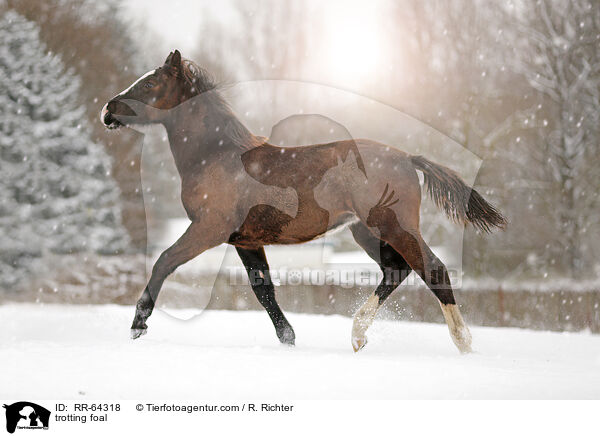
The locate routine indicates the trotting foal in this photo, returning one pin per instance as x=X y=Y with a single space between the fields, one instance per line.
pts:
x=240 y=190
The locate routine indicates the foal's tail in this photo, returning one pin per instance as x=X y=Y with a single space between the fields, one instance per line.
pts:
x=460 y=202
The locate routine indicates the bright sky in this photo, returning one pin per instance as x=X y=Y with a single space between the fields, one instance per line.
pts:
x=351 y=30
x=178 y=25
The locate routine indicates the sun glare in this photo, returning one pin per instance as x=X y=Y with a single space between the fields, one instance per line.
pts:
x=352 y=41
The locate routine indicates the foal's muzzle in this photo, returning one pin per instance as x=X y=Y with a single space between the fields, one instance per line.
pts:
x=111 y=111
x=108 y=120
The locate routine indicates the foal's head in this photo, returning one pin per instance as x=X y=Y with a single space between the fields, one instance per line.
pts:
x=149 y=99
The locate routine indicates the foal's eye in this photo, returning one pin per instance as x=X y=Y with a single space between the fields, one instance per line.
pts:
x=148 y=85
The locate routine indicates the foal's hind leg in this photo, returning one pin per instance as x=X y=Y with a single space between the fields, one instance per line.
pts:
x=256 y=264
x=408 y=242
x=434 y=273
x=395 y=269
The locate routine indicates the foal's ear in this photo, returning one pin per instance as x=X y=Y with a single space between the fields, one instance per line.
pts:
x=174 y=59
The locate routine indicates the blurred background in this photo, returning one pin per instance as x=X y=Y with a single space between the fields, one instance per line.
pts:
x=505 y=92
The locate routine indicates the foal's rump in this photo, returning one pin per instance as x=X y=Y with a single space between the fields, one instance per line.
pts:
x=391 y=184
x=390 y=180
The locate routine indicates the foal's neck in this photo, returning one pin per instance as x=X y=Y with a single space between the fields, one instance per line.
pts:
x=201 y=133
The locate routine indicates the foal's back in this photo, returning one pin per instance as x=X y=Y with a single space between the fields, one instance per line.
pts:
x=318 y=188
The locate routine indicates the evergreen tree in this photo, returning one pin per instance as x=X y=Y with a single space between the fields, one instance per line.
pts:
x=56 y=190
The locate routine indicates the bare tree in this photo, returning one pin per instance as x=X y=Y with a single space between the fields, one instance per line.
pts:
x=558 y=55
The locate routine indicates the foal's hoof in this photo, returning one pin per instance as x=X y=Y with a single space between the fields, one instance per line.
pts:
x=464 y=344
x=136 y=333
x=462 y=339
x=287 y=336
x=359 y=343
x=465 y=350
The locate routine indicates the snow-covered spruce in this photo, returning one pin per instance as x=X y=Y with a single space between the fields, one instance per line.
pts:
x=56 y=191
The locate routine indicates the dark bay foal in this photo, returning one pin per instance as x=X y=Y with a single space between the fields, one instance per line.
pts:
x=240 y=190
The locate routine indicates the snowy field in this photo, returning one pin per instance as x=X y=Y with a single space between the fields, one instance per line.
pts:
x=83 y=352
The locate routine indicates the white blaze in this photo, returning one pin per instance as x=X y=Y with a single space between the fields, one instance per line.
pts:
x=136 y=82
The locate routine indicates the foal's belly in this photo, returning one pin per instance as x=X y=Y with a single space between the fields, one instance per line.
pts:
x=267 y=225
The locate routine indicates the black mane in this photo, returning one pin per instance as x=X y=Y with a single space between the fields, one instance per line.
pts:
x=204 y=83
x=198 y=77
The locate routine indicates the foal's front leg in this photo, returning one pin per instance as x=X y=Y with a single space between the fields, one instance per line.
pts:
x=194 y=241
x=257 y=267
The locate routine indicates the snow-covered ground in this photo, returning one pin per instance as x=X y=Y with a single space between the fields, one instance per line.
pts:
x=83 y=352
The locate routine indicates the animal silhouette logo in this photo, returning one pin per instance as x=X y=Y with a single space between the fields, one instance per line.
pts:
x=26 y=415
